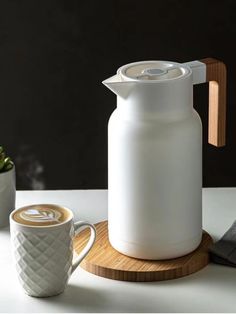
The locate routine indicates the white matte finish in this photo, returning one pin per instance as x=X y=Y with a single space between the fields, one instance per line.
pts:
x=7 y=196
x=209 y=290
x=43 y=255
x=77 y=226
x=155 y=167
x=199 y=71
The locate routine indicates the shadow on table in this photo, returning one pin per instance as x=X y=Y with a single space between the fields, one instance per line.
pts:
x=213 y=280
x=130 y=296
x=213 y=274
x=78 y=298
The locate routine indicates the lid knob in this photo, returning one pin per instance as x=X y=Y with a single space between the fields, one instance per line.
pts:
x=154 y=71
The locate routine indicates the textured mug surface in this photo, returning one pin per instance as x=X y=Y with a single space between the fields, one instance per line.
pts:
x=43 y=254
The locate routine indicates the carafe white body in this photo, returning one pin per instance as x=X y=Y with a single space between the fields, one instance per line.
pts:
x=155 y=169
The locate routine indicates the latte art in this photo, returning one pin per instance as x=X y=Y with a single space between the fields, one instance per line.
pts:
x=41 y=215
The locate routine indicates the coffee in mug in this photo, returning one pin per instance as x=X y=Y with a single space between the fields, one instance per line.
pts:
x=42 y=245
x=40 y=215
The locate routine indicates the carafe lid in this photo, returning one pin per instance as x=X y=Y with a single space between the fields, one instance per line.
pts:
x=153 y=71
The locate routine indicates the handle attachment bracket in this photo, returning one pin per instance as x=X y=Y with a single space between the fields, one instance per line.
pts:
x=213 y=71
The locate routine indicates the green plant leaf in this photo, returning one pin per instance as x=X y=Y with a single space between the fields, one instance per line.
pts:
x=8 y=167
x=7 y=160
x=2 y=156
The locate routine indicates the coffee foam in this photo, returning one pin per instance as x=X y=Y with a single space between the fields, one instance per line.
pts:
x=41 y=215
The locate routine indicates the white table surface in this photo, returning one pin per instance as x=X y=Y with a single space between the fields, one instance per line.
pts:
x=212 y=289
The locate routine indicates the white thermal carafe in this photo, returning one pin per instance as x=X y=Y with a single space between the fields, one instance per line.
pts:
x=155 y=155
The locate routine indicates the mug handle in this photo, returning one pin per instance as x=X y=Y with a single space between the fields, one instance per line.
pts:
x=87 y=248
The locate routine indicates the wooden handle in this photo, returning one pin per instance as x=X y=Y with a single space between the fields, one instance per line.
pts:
x=216 y=76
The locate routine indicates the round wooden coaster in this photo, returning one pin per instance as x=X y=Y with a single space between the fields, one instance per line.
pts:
x=105 y=261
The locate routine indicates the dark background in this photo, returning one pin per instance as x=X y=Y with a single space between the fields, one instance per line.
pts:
x=54 y=55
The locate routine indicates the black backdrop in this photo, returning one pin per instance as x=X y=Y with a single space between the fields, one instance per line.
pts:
x=54 y=55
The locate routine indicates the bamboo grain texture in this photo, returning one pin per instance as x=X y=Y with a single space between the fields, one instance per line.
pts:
x=216 y=76
x=106 y=262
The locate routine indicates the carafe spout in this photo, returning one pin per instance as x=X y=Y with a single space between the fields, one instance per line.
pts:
x=118 y=86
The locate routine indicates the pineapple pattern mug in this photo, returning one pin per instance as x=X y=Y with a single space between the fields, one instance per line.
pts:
x=42 y=246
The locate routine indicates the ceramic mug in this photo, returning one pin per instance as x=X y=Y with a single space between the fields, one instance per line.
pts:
x=43 y=254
